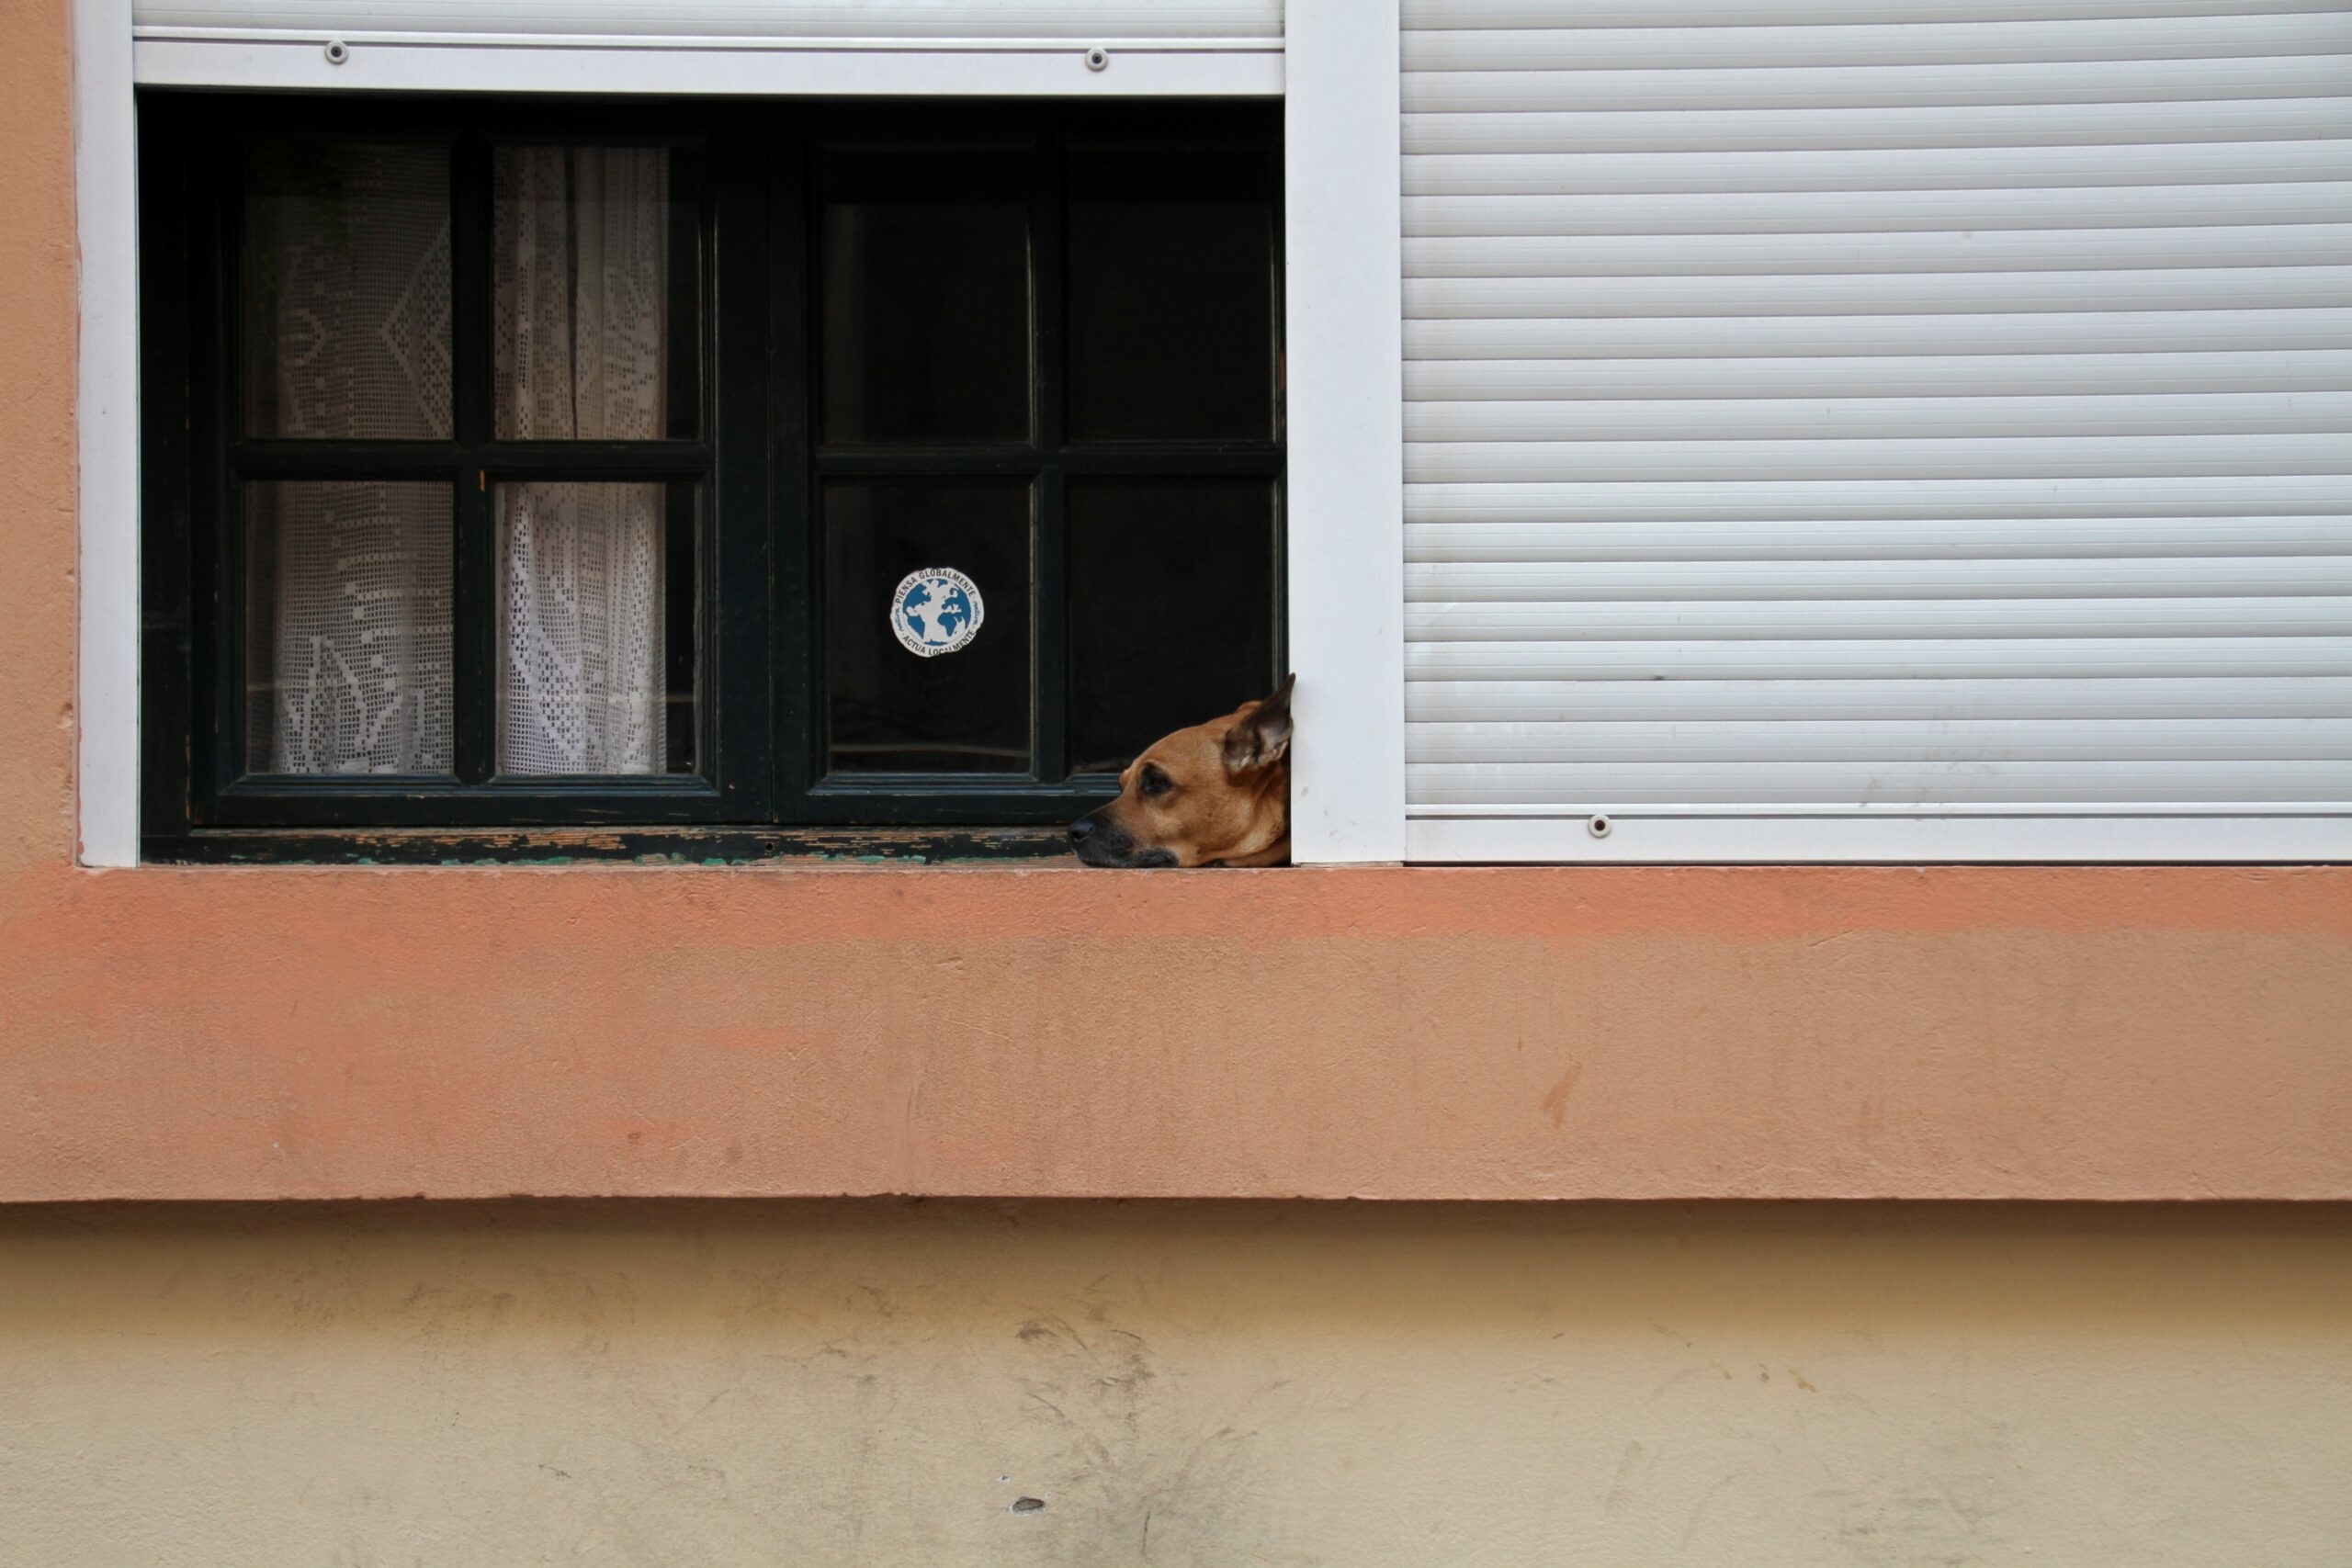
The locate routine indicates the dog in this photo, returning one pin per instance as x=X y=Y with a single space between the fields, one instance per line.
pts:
x=1218 y=793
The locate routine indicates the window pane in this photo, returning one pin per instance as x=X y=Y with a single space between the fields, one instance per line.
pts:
x=348 y=627
x=1171 y=298
x=594 y=289
x=1172 y=609
x=595 y=674
x=345 y=279
x=965 y=707
x=923 y=295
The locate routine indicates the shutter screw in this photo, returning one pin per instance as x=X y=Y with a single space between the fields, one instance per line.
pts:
x=1098 y=58
x=1598 y=827
x=338 y=52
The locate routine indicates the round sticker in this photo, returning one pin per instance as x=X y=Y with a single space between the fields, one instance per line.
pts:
x=936 y=610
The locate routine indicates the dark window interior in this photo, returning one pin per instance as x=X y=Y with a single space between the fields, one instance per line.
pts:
x=1165 y=575
x=518 y=466
x=889 y=711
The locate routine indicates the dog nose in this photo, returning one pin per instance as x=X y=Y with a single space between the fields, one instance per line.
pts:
x=1080 y=829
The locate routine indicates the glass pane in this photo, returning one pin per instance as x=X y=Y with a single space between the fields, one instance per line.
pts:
x=345 y=279
x=923 y=293
x=595 y=282
x=595 y=629
x=1171 y=298
x=927 y=628
x=1172 y=609
x=348 y=627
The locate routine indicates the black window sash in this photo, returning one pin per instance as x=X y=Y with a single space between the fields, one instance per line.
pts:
x=730 y=743
x=1047 y=460
x=753 y=460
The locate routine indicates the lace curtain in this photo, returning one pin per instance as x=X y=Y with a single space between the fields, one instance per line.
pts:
x=348 y=645
x=350 y=628
x=582 y=254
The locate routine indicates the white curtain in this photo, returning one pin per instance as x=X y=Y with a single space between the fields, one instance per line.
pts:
x=349 y=271
x=349 y=266
x=581 y=254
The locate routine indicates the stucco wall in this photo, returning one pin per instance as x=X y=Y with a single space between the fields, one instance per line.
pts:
x=1284 y=1383
x=1220 y=1385
x=216 y=1033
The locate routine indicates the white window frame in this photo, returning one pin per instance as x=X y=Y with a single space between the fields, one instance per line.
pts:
x=275 y=59
x=1344 y=359
x=1343 y=303
x=106 y=411
x=1338 y=69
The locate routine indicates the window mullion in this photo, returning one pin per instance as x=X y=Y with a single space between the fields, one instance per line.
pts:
x=474 y=596
x=171 y=284
x=778 y=297
x=1049 y=613
x=218 y=667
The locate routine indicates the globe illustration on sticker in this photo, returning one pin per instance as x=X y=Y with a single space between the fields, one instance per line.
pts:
x=936 y=610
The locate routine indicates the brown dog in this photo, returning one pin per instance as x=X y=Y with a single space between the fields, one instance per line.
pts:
x=1218 y=793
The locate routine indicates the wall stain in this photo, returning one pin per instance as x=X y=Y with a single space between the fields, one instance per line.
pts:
x=1556 y=1098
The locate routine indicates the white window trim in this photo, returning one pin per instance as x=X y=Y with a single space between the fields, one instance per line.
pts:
x=1343 y=359
x=106 y=416
x=275 y=59
x=1344 y=396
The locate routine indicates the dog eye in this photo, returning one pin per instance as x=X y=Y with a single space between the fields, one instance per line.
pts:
x=1152 y=782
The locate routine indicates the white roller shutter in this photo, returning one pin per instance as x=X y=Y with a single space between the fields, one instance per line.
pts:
x=834 y=47
x=1898 y=431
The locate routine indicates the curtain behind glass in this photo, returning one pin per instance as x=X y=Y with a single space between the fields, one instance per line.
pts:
x=347 y=279
x=581 y=259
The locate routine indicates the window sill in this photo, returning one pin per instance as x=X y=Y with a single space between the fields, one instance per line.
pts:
x=2035 y=1033
x=643 y=846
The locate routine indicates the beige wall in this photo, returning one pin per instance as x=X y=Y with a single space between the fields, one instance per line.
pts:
x=876 y=1383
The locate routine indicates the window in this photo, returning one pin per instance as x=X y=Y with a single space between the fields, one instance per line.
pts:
x=707 y=467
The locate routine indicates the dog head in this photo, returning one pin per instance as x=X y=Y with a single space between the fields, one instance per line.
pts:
x=1218 y=793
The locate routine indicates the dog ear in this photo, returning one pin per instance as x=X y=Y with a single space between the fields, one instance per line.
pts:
x=1260 y=737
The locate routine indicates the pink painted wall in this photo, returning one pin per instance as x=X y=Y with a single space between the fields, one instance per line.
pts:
x=1461 y=1034
x=1538 y=1033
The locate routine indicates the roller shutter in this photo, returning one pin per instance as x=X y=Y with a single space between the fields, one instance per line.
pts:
x=1074 y=20
x=1900 y=411
x=834 y=47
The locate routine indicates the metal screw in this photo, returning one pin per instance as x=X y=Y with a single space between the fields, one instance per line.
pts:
x=338 y=52
x=1097 y=58
x=1600 y=827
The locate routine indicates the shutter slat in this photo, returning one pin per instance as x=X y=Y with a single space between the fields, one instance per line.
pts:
x=1954 y=293
x=1873 y=86
x=1880 y=43
x=1653 y=663
x=1991 y=331
x=1874 y=168
x=1478 y=14
x=1565 y=706
x=1678 y=499
x=1995 y=249
x=1546 y=544
x=1861 y=619
x=1857 y=375
x=1924 y=457
x=1819 y=418
x=1823 y=738
x=1875 y=212
x=1705 y=130
x=1938 y=781
x=1585 y=582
